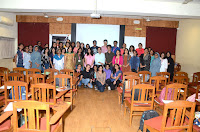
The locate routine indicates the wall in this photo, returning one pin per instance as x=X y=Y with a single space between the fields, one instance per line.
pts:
x=188 y=45
x=8 y=31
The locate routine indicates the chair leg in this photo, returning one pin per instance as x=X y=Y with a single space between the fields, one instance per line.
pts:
x=144 y=128
x=125 y=109
x=131 y=118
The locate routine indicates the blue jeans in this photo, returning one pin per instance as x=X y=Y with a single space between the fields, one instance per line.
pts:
x=100 y=86
x=46 y=67
x=86 y=81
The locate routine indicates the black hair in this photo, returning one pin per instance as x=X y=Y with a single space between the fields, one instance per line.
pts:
x=114 y=70
x=58 y=50
x=30 y=45
x=105 y=40
x=25 y=48
x=45 y=50
x=115 y=41
x=139 y=44
x=58 y=39
x=146 y=49
x=60 y=42
x=169 y=53
x=82 y=56
x=20 y=45
x=99 y=67
x=90 y=52
x=126 y=49
x=87 y=44
x=152 y=50
x=107 y=65
x=68 y=49
x=109 y=46
x=98 y=48
x=164 y=54
x=119 y=52
x=38 y=42
x=130 y=48
x=94 y=41
x=136 y=52
x=63 y=49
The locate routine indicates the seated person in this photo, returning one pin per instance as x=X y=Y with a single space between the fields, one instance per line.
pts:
x=94 y=71
x=86 y=77
x=100 y=79
x=108 y=74
x=78 y=69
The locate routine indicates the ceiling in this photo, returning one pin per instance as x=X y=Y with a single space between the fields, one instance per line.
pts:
x=139 y=9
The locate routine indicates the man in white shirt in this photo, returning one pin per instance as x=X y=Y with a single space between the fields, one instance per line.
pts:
x=99 y=57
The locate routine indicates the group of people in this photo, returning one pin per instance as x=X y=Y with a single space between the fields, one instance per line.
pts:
x=98 y=65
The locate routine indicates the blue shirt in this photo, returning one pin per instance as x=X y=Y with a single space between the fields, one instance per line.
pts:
x=116 y=74
x=134 y=62
x=114 y=49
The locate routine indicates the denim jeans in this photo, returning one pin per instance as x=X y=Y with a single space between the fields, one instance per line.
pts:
x=100 y=86
x=86 y=81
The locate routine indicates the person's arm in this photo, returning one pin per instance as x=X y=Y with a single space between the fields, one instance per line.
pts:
x=104 y=78
x=138 y=63
x=166 y=65
x=113 y=61
x=16 y=58
x=111 y=76
x=120 y=61
x=119 y=75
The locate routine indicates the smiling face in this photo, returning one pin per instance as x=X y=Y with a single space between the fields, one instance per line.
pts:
x=115 y=44
x=117 y=53
x=100 y=68
x=116 y=67
x=36 y=49
x=99 y=50
x=126 y=51
x=162 y=55
x=156 y=56
x=151 y=52
x=70 y=49
x=146 y=51
x=124 y=45
x=168 y=54
x=26 y=49
x=87 y=67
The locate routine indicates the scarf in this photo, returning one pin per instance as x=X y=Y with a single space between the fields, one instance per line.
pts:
x=58 y=57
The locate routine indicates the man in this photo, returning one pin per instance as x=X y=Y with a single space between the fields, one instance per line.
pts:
x=86 y=77
x=140 y=50
x=99 y=57
x=104 y=48
x=39 y=46
x=115 y=48
x=94 y=47
x=109 y=56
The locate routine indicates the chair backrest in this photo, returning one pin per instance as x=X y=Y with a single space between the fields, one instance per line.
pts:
x=197 y=92
x=143 y=91
x=145 y=75
x=31 y=111
x=2 y=78
x=51 y=72
x=159 y=82
x=178 y=91
x=177 y=67
x=19 y=70
x=196 y=79
x=5 y=70
x=181 y=80
x=164 y=74
x=44 y=92
x=32 y=71
x=179 y=73
x=35 y=78
x=67 y=71
x=129 y=81
x=62 y=80
x=15 y=77
x=17 y=91
x=130 y=73
x=181 y=116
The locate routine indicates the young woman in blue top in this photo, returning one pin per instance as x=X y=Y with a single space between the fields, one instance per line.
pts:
x=19 y=56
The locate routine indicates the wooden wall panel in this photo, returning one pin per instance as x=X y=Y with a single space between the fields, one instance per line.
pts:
x=59 y=28
x=131 y=31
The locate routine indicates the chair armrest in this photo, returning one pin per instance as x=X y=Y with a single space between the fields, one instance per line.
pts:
x=61 y=93
x=5 y=115
x=1 y=90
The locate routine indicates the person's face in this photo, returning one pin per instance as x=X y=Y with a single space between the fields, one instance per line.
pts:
x=46 y=46
x=109 y=48
x=88 y=67
x=63 y=51
x=59 y=52
x=47 y=50
x=116 y=67
x=131 y=48
x=57 y=41
x=53 y=50
x=117 y=53
x=149 y=49
x=54 y=44
x=68 y=40
x=78 y=44
x=80 y=50
x=115 y=44
x=79 y=67
x=151 y=52
x=82 y=45
x=70 y=49
x=61 y=44
x=36 y=49
x=162 y=56
x=39 y=43
x=146 y=51
x=89 y=51
x=95 y=68
x=105 y=42
x=100 y=68
x=134 y=53
x=168 y=54
x=21 y=46
x=94 y=43
x=124 y=45
x=140 y=46
x=156 y=55
x=87 y=46
x=126 y=51
x=107 y=67
x=67 y=44
x=30 y=48
x=99 y=50
x=73 y=44
x=26 y=49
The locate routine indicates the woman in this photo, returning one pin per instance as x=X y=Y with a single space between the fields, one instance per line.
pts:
x=123 y=48
x=135 y=62
x=145 y=60
x=115 y=77
x=152 y=55
x=36 y=58
x=126 y=61
x=26 y=58
x=54 y=45
x=89 y=58
x=63 y=51
x=164 y=63
x=46 y=60
x=30 y=48
x=77 y=47
x=79 y=58
x=53 y=52
x=170 y=68
x=118 y=59
x=19 y=56
x=58 y=60
x=101 y=78
x=69 y=59
x=86 y=48
x=67 y=46
x=155 y=65
x=83 y=48
x=131 y=49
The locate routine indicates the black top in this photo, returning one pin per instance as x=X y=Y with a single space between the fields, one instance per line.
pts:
x=145 y=60
x=86 y=74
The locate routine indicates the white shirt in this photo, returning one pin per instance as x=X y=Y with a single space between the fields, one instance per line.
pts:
x=26 y=59
x=99 y=58
x=164 y=65
x=58 y=64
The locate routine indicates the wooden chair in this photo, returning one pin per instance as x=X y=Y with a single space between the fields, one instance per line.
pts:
x=4 y=70
x=63 y=79
x=177 y=67
x=159 y=82
x=49 y=74
x=32 y=110
x=15 y=88
x=19 y=70
x=173 y=92
x=181 y=118
x=128 y=82
x=179 y=73
x=35 y=78
x=181 y=80
x=196 y=79
x=15 y=77
x=67 y=71
x=5 y=122
x=142 y=102
x=2 y=97
x=2 y=78
x=164 y=74
x=32 y=71
x=145 y=75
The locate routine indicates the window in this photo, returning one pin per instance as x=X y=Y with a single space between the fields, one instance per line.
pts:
x=7 y=47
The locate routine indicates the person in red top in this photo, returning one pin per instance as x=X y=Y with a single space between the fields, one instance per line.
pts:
x=140 y=50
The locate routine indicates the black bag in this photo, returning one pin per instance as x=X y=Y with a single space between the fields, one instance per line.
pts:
x=145 y=116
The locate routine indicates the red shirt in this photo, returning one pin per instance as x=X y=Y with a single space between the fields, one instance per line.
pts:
x=140 y=51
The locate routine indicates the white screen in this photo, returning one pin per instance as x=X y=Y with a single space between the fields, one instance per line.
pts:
x=86 y=33
x=129 y=40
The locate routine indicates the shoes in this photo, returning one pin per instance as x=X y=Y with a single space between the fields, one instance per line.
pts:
x=85 y=86
x=95 y=87
x=109 y=88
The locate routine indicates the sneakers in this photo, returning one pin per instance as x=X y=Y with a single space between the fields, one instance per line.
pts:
x=95 y=87
x=109 y=88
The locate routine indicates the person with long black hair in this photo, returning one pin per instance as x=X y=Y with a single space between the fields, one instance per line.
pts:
x=170 y=68
x=78 y=58
x=89 y=58
x=100 y=79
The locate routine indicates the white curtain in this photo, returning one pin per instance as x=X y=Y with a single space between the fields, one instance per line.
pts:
x=7 y=47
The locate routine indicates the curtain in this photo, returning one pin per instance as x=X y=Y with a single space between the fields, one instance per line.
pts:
x=7 y=47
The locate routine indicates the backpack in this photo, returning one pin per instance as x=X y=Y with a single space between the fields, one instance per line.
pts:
x=145 y=116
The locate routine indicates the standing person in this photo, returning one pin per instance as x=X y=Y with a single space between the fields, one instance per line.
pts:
x=19 y=56
x=53 y=46
x=118 y=59
x=123 y=48
x=152 y=55
x=36 y=58
x=104 y=47
x=155 y=65
x=87 y=47
x=53 y=52
x=131 y=49
x=78 y=45
x=30 y=48
x=99 y=58
x=89 y=58
x=86 y=77
x=67 y=46
x=83 y=48
x=79 y=58
x=126 y=61
x=63 y=50
x=149 y=49
x=115 y=48
x=140 y=50
x=73 y=45
x=46 y=60
x=109 y=56
x=58 y=60
x=57 y=43
x=45 y=46
x=94 y=47
x=164 y=63
x=26 y=58
x=61 y=45
x=135 y=62
x=101 y=78
x=115 y=77
x=69 y=59
x=108 y=75
x=170 y=68
x=39 y=46
x=145 y=60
